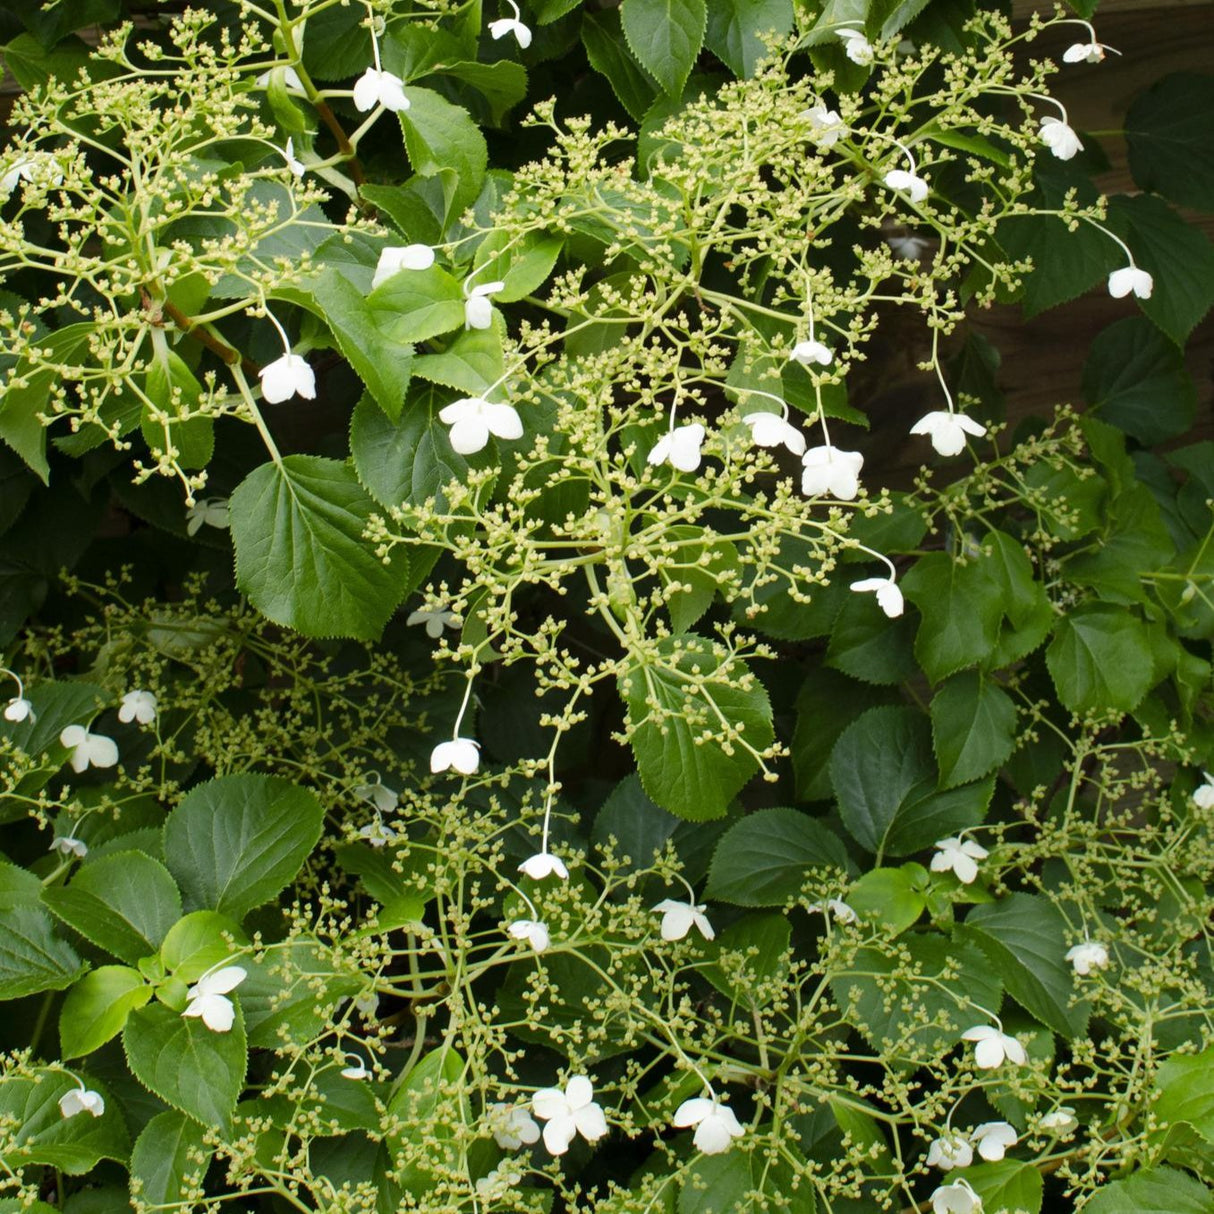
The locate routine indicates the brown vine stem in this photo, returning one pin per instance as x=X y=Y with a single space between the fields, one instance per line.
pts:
x=229 y=354
x=347 y=148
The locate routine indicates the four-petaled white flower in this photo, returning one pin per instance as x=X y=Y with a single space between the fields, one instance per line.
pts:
x=375 y=87
x=568 y=1114
x=993 y=1047
x=396 y=258
x=994 y=1139
x=511 y=25
x=69 y=845
x=715 y=1123
x=771 y=430
x=378 y=833
x=478 y=310
x=856 y=45
x=836 y=907
x=948 y=430
x=531 y=930
x=88 y=748
x=960 y=856
x=914 y=186
x=1087 y=52
x=827 y=469
x=285 y=377
x=544 y=864
x=950 y=1151
x=19 y=709
x=678 y=918
x=807 y=352
x=1130 y=278
x=512 y=1126
x=1203 y=794
x=435 y=620
x=1060 y=138
x=679 y=448
x=357 y=1071
x=472 y=419
x=828 y=127
x=296 y=165
x=137 y=706
x=207 y=998
x=1061 y=1120
x=956 y=1198
x=1088 y=956
x=81 y=1100
x=375 y=792
x=208 y=512
x=889 y=597
x=463 y=754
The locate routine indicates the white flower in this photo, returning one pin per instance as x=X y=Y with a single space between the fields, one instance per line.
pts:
x=498 y=1181
x=993 y=1139
x=435 y=620
x=827 y=469
x=948 y=430
x=293 y=162
x=993 y=1047
x=543 y=864
x=290 y=79
x=19 y=709
x=375 y=792
x=478 y=311
x=285 y=377
x=1088 y=956
x=889 y=597
x=396 y=258
x=69 y=845
x=836 y=907
x=678 y=918
x=367 y=1003
x=568 y=1114
x=956 y=1198
x=511 y=1126
x=807 y=352
x=1203 y=794
x=378 y=834
x=88 y=748
x=1086 y=52
x=137 y=706
x=909 y=247
x=472 y=419
x=680 y=448
x=857 y=46
x=828 y=127
x=1130 y=278
x=900 y=179
x=208 y=512
x=460 y=753
x=379 y=88
x=531 y=930
x=950 y=1151
x=81 y=1100
x=716 y=1125
x=959 y=855
x=511 y=25
x=208 y=998
x=771 y=430
x=1060 y=138
x=357 y=1071
x=37 y=164
x=1061 y=1120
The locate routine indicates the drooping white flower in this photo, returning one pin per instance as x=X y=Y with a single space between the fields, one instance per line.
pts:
x=948 y=430
x=1087 y=52
x=568 y=1114
x=1060 y=138
x=375 y=87
x=435 y=620
x=827 y=469
x=19 y=709
x=1130 y=278
x=993 y=1047
x=88 y=748
x=207 y=998
x=857 y=47
x=472 y=419
x=375 y=792
x=137 y=706
x=69 y=845
x=956 y=1198
x=679 y=448
x=544 y=864
x=950 y=1151
x=512 y=1126
x=208 y=512
x=959 y=856
x=478 y=310
x=678 y=918
x=1088 y=956
x=828 y=127
x=1203 y=794
x=914 y=186
x=396 y=258
x=81 y=1100
x=1061 y=1120
x=290 y=79
x=716 y=1125
x=285 y=377
x=909 y=247
x=511 y=25
x=771 y=430
x=994 y=1139
x=889 y=596
x=367 y=1003
x=357 y=1071
x=462 y=754
x=835 y=907
x=531 y=930
x=810 y=352
x=296 y=165
x=378 y=833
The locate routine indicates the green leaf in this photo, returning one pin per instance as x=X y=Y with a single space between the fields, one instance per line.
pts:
x=961 y=605
x=893 y=897
x=96 y=1008
x=415 y=305
x=763 y=859
x=473 y=362
x=603 y=38
x=56 y=705
x=502 y=84
x=671 y=703
x=666 y=37
x=1100 y=660
x=697 y=563
x=441 y=137
x=200 y=942
x=32 y=957
x=973 y=728
x=1184 y=1091
x=866 y=644
x=1025 y=935
x=1006 y=1186
x=720 y=1184
x=236 y=841
x=38 y=1133
x=1065 y=263
x=734 y=27
x=169 y=1160
x=124 y=903
x=1171 y=140
x=523 y=265
x=186 y=1064
x=300 y=553
x=1153 y=1191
